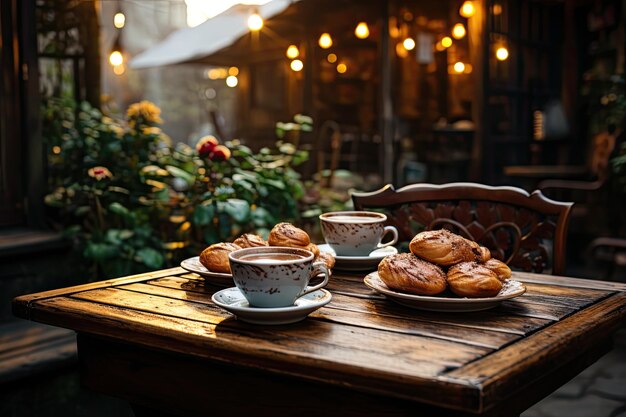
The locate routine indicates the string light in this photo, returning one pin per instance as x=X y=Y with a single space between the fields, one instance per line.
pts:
x=502 y=53
x=232 y=81
x=325 y=41
x=332 y=58
x=342 y=68
x=116 y=58
x=292 y=52
x=497 y=9
x=255 y=22
x=446 y=42
x=458 y=31
x=439 y=47
x=119 y=20
x=459 y=67
x=467 y=9
x=234 y=71
x=119 y=69
x=362 y=31
x=409 y=44
x=296 y=65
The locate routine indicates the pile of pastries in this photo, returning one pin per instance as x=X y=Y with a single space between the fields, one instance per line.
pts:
x=441 y=260
x=215 y=257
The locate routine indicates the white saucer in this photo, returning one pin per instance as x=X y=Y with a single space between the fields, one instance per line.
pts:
x=359 y=263
x=232 y=300
x=510 y=289
x=218 y=278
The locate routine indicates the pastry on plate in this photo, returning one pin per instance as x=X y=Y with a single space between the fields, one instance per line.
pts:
x=215 y=257
x=407 y=273
x=501 y=269
x=472 y=280
x=444 y=248
x=249 y=240
x=286 y=234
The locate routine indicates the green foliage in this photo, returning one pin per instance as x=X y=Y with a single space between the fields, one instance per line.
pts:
x=133 y=202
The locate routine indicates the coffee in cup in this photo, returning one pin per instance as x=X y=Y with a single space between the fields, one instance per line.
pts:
x=356 y=233
x=275 y=276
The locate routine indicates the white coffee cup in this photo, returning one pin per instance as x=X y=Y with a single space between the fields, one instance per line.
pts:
x=356 y=233
x=275 y=276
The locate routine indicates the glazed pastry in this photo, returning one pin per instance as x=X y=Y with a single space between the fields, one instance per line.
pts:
x=250 y=241
x=501 y=269
x=443 y=247
x=215 y=257
x=327 y=258
x=286 y=234
x=470 y=279
x=407 y=273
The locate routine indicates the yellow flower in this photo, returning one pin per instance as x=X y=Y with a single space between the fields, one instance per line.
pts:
x=145 y=110
x=99 y=173
x=151 y=131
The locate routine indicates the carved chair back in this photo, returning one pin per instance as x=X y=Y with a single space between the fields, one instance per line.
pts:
x=527 y=231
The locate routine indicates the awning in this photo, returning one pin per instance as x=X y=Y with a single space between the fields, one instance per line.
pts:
x=217 y=33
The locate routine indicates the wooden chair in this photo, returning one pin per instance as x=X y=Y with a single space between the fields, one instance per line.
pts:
x=527 y=231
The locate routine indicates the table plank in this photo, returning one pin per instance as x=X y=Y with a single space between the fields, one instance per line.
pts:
x=491 y=320
x=338 y=312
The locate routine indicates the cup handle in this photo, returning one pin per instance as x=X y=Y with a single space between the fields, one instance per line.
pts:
x=393 y=231
x=317 y=267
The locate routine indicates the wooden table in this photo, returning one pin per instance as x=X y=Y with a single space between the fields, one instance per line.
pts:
x=158 y=341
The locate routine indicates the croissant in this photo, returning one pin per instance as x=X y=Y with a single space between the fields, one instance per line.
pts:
x=443 y=247
x=215 y=257
x=485 y=254
x=469 y=279
x=407 y=273
x=501 y=269
x=250 y=241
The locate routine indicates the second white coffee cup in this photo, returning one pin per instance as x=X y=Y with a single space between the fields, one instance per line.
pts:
x=356 y=233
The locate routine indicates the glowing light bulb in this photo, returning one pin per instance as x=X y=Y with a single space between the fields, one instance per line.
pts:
x=467 y=9
x=342 y=68
x=325 y=41
x=233 y=71
x=446 y=42
x=502 y=53
x=439 y=47
x=292 y=52
x=296 y=65
x=119 y=69
x=409 y=44
x=116 y=58
x=458 y=31
x=232 y=81
x=459 y=67
x=497 y=9
x=119 y=20
x=362 y=31
x=255 y=22
x=332 y=58
x=401 y=51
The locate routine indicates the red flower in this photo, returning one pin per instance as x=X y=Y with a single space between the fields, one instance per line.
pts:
x=206 y=145
x=220 y=153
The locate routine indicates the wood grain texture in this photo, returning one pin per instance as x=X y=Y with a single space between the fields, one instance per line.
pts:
x=359 y=343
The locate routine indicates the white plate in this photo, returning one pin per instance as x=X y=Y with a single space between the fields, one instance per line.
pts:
x=359 y=263
x=218 y=278
x=510 y=289
x=232 y=300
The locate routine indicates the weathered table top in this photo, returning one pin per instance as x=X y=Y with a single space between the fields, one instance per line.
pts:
x=469 y=362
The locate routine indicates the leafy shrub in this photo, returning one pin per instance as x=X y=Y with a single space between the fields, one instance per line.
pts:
x=133 y=202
